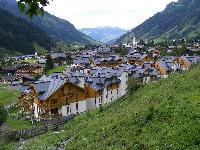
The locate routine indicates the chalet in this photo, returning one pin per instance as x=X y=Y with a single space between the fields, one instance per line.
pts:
x=105 y=85
x=183 y=62
x=85 y=60
x=111 y=61
x=103 y=49
x=165 y=68
x=21 y=69
x=138 y=58
x=8 y=70
x=149 y=75
x=41 y=61
x=58 y=58
x=101 y=90
x=29 y=69
x=193 y=59
x=52 y=97
x=13 y=80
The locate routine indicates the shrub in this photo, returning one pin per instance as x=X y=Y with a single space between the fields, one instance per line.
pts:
x=133 y=84
x=7 y=134
x=3 y=114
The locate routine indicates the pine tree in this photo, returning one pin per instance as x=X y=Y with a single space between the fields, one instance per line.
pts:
x=49 y=64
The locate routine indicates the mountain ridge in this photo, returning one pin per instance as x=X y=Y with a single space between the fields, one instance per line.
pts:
x=104 y=34
x=57 y=28
x=18 y=36
x=178 y=20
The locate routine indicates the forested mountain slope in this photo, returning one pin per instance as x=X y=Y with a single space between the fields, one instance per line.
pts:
x=179 y=20
x=43 y=31
x=19 y=36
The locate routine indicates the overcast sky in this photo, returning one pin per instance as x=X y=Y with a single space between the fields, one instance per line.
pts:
x=92 y=13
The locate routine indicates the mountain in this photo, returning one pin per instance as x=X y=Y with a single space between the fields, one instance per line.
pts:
x=18 y=36
x=59 y=30
x=179 y=20
x=161 y=115
x=104 y=34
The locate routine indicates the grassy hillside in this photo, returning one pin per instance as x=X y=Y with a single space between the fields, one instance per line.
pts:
x=57 y=69
x=161 y=115
x=8 y=96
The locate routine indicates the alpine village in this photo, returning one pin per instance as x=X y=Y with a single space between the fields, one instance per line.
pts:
x=62 y=88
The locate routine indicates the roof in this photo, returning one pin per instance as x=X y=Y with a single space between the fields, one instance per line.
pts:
x=100 y=82
x=58 y=55
x=48 y=85
x=9 y=78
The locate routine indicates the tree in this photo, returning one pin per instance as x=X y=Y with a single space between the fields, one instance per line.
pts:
x=49 y=64
x=183 y=49
x=150 y=43
x=142 y=42
x=32 y=7
x=133 y=84
x=3 y=114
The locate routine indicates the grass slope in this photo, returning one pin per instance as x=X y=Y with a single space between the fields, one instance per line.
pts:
x=161 y=115
x=8 y=96
x=57 y=69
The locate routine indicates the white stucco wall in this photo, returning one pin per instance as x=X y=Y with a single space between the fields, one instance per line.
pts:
x=82 y=107
x=36 y=110
x=111 y=95
x=64 y=110
x=90 y=103
x=123 y=84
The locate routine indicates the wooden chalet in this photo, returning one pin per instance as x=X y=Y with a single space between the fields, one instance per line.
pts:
x=58 y=58
x=29 y=69
x=52 y=97
x=183 y=62
x=110 y=62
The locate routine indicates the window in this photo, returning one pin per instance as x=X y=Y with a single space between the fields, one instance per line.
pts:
x=117 y=91
x=100 y=100
x=66 y=100
x=68 y=110
x=95 y=101
x=76 y=106
x=53 y=101
x=111 y=92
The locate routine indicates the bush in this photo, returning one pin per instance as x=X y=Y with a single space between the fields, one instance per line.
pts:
x=133 y=84
x=7 y=134
x=3 y=114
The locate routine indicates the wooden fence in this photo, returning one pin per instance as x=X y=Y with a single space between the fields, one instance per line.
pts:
x=38 y=130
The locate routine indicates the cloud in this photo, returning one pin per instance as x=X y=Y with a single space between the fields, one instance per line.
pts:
x=91 y=13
